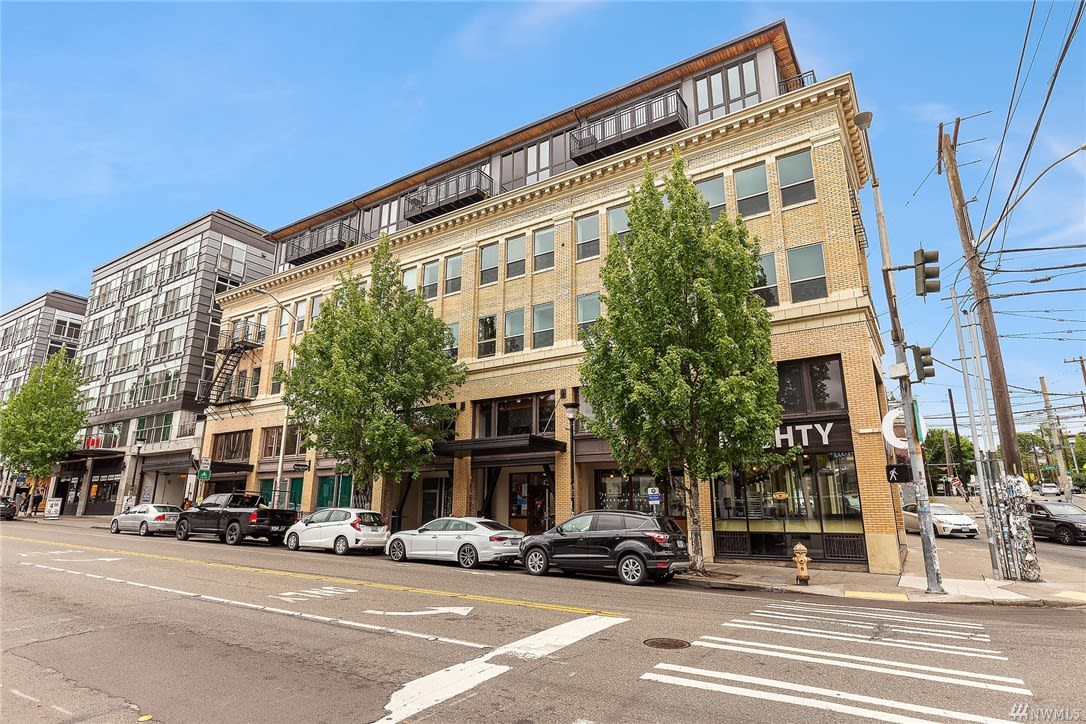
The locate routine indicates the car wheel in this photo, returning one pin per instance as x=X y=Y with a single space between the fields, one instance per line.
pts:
x=182 y=531
x=233 y=534
x=631 y=570
x=114 y=527
x=1065 y=535
x=397 y=551
x=341 y=546
x=537 y=562
x=292 y=542
x=468 y=557
x=144 y=530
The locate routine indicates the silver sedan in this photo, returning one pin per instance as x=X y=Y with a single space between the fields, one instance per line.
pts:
x=468 y=541
x=146 y=519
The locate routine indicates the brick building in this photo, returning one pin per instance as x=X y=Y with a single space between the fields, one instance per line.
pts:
x=506 y=241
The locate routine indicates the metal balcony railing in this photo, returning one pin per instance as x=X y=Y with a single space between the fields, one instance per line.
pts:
x=447 y=194
x=321 y=242
x=178 y=268
x=630 y=126
x=800 y=81
x=239 y=336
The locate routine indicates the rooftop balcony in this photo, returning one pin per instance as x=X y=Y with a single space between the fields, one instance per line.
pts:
x=321 y=242
x=800 y=81
x=453 y=192
x=628 y=127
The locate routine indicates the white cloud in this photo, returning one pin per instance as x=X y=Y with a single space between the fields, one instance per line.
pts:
x=492 y=34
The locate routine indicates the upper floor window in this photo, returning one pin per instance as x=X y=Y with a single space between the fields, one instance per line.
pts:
x=752 y=190
x=588 y=310
x=618 y=221
x=232 y=445
x=232 y=258
x=411 y=279
x=314 y=310
x=488 y=334
x=299 y=315
x=155 y=428
x=277 y=384
x=284 y=322
x=488 y=264
x=811 y=385
x=742 y=84
x=66 y=328
x=543 y=249
x=514 y=256
x=807 y=273
x=712 y=190
x=514 y=331
x=531 y=414
x=796 y=178
x=535 y=162
x=588 y=236
x=429 y=279
x=543 y=325
x=452 y=274
x=453 y=350
x=384 y=218
x=765 y=285
x=724 y=91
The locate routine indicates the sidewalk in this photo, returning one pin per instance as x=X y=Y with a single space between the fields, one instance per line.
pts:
x=966 y=572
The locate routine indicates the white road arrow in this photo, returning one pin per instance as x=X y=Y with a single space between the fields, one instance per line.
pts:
x=432 y=610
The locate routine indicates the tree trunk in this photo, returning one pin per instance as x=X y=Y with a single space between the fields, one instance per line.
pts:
x=693 y=521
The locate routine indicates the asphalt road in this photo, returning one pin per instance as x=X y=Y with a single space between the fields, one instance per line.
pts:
x=104 y=628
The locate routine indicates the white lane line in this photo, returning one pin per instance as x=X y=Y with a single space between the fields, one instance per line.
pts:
x=852 y=638
x=281 y=611
x=872 y=714
x=25 y=696
x=848 y=609
x=833 y=693
x=811 y=608
x=65 y=712
x=901 y=629
x=421 y=694
x=864 y=667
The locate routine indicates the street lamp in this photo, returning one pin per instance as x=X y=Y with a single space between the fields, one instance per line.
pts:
x=286 y=363
x=571 y=414
x=900 y=370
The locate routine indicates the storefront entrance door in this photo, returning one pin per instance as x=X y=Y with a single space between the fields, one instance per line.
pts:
x=531 y=502
x=436 y=499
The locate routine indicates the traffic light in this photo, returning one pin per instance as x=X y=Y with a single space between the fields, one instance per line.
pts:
x=927 y=276
x=924 y=364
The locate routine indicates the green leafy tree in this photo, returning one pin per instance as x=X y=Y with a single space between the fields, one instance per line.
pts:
x=935 y=455
x=39 y=423
x=678 y=370
x=1033 y=449
x=368 y=380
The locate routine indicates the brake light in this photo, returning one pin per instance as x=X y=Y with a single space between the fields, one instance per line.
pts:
x=252 y=517
x=357 y=523
x=498 y=538
x=661 y=538
x=160 y=517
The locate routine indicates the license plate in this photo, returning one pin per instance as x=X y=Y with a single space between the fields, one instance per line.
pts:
x=171 y=517
x=278 y=528
x=682 y=544
x=375 y=530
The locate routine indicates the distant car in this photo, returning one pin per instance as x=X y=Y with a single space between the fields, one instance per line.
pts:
x=468 y=541
x=945 y=520
x=1050 y=489
x=340 y=529
x=1064 y=522
x=635 y=546
x=146 y=519
x=7 y=508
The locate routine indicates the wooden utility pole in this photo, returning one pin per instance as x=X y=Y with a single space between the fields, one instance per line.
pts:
x=1001 y=399
x=1056 y=437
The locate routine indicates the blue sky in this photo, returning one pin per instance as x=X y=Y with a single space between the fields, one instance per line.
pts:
x=122 y=121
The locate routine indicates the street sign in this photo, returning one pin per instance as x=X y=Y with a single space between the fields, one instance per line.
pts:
x=899 y=473
x=654 y=496
x=205 y=463
x=203 y=475
x=300 y=467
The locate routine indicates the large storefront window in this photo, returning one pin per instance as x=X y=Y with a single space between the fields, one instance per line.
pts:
x=614 y=491
x=529 y=414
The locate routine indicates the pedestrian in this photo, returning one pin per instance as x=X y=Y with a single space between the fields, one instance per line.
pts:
x=35 y=503
x=25 y=507
x=186 y=503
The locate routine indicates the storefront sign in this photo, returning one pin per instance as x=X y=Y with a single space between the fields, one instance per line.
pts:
x=52 y=508
x=814 y=436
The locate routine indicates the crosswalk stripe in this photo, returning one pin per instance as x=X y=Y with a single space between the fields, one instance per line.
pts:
x=849 y=661
x=854 y=638
x=846 y=613
x=901 y=629
x=806 y=689
x=842 y=609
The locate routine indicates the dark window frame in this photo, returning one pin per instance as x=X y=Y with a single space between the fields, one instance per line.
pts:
x=809 y=288
x=796 y=192
x=489 y=274
x=752 y=204
x=542 y=261
x=589 y=247
x=486 y=346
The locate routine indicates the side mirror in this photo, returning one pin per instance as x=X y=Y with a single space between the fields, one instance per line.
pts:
x=424 y=529
x=306 y=521
x=559 y=529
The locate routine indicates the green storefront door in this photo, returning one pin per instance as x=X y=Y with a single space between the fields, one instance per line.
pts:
x=326 y=491
x=266 y=486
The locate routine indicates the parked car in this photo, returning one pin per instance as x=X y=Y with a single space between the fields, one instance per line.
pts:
x=1050 y=489
x=636 y=546
x=146 y=519
x=468 y=541
x=1064 y=522
x=233 y=517
x=944 y=519
x=7 y=508
x=341 y=529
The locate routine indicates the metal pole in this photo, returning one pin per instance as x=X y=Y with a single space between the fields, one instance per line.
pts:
x=927 y=532
x=286 y=412
x=1056 y=434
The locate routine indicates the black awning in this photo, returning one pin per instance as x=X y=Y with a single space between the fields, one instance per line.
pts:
x=221 y=466
x=478 y=447
x=173 y=462
x=93 y=452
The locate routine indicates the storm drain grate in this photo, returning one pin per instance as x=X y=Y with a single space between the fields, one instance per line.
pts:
x=667 y=643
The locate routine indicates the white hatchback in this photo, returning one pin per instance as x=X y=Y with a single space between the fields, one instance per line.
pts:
x=468 y=541
x=341 y=529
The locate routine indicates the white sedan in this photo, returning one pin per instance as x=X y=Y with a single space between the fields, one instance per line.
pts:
x=944 y=519
x=147 y=519
x=468 y=541
x=341 y=529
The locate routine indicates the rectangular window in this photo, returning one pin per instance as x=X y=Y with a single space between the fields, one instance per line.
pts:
x=543 y=249
x=315 y=308
x=709 y=95
x=588 y=236
x=752 y=190
x=453 y=350
x=807 y=273
x=452 y=274
x=765 y=285
x=411 y=279
x=254 y=383
x=488 y=334
x=488 y=264
x=811 y=385
x=618 y=222
x=429 y=280
x=588 y=310
x=515 y=416
x=277 y=384
x=155 y=428
x=712 y=190
x=742 y=80
x=543 y=325
x=796 y=178
x=514 y=331
x=284 y=322
x=514 y=257
x=299 y=315
x=270 y=438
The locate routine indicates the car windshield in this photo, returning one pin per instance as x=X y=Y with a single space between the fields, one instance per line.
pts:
x=940 y=509
x=1065 y=509
x=494 y=525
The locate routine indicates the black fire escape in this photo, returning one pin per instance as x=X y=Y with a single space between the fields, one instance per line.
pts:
x=234 y=341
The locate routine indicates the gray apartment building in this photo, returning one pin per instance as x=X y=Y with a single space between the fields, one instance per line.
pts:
x=29 y=335
x=145 y=356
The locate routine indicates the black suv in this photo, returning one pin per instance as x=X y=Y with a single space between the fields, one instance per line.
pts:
x=634 y=545
x=1065 y=522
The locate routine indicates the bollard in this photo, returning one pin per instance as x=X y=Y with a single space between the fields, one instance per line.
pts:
x=801 y=560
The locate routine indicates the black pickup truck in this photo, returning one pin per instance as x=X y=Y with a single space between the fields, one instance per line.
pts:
x=234 y=517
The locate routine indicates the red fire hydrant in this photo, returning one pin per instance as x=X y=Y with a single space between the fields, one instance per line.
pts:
x=801 y=561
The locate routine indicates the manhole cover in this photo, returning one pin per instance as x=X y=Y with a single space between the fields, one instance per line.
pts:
x=667 y=643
